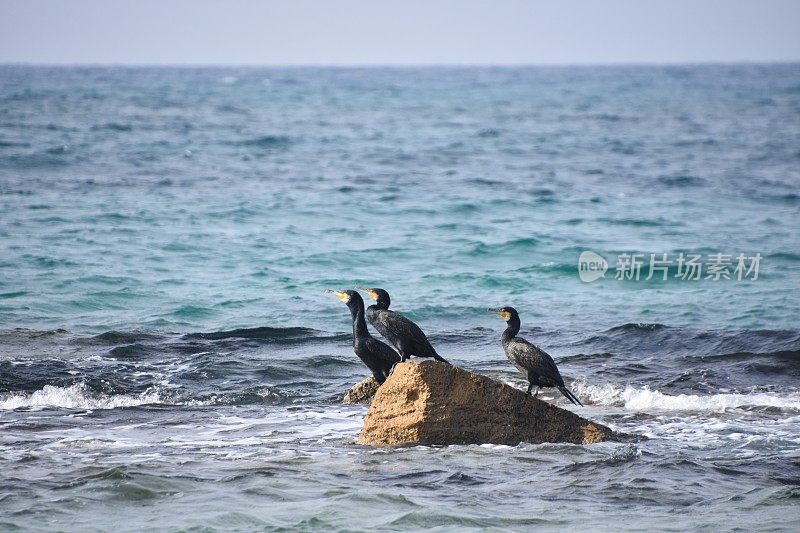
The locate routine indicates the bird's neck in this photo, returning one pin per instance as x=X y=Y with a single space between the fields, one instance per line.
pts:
x=359 y=324
x=511 y=331
x=382 y=303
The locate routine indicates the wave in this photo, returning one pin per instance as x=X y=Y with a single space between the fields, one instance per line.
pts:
x=265 y=141
x=113 y=126
x=13 y=144
x=658 y=222
x=657 y=338
x=81 y=395
x=519 y=245
x=647 y=399
x=682 y=180
x=77 y=396
x=264 y=332
x=290 y=334
x=113 y=337
x=49 y=158
x=637 y=326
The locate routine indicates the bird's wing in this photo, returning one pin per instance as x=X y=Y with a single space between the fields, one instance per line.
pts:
x=382 y=352
x=400 y=330
x=553 y=374
x=401 y=323
x=377 y=317
x=516 y=355
x=532 y=358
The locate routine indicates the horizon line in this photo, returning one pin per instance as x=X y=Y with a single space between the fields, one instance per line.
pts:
x=98 y=64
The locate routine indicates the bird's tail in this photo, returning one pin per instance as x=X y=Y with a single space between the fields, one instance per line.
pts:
x=571 y=397
x=440 y=358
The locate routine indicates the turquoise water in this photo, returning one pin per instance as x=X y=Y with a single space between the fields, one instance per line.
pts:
x=140 y=207
x=186 y=199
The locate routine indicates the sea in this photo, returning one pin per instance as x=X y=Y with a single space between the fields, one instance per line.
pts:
x=170 y=361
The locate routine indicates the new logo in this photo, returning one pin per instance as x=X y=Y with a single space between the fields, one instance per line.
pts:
x=591 y=266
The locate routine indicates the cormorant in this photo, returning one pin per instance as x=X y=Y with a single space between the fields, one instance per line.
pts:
x=397 y=329
x=535 y=363
x=377 y=355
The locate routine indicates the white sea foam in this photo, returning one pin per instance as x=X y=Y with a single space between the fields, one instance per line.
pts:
x=77 y=396
x=646 y=399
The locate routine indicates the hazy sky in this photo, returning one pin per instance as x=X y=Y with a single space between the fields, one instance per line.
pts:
x=357 y=32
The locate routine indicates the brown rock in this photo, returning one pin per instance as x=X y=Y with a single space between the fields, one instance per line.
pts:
x=361 y=392
x=435 y=403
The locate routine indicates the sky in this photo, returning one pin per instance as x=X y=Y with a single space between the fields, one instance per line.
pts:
x=407 y=32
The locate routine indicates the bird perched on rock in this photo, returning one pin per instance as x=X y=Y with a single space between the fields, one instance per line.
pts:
x=377 y=355
x=397 y=329
x=536 y=364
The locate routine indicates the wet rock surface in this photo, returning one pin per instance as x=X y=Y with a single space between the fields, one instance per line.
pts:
x=434 y=403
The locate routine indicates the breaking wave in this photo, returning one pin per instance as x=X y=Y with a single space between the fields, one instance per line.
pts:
x=647 y=399
x=77 y=396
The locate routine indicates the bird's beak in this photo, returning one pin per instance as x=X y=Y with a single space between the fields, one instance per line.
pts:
x=503 y=314
x=494 y=310
x=369 y=292
x=339 y=294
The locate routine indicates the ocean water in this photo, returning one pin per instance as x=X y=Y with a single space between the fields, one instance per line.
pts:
x=169 y=360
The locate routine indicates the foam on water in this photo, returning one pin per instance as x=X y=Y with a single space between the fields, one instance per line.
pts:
x=77 y=396
x=647 y=399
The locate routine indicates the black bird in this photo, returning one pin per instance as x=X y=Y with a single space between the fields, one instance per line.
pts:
x=377 y=355
x=535 y=363
x=397 y=329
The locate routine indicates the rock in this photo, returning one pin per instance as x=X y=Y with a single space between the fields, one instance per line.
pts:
x=361 y=392
x=434 y=403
